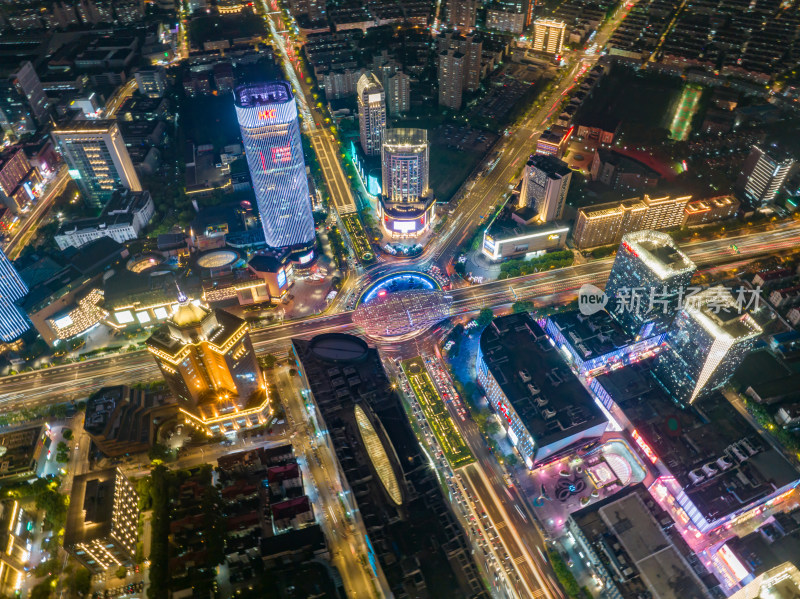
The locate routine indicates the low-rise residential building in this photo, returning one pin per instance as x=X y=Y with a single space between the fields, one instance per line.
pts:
x=122 y=219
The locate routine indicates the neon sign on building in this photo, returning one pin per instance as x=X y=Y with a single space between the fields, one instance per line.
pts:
x=651 y=455
x=264 y=115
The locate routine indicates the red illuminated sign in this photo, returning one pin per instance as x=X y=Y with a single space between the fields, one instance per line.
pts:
x=263 y=115
x=629 y=248
x=644 y=446
x=282 y=154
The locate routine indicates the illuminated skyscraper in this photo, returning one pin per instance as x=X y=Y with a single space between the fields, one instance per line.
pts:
x=371 y=113
x=548 y=35
x=97 y=158
x=267 y=114
x=649 y=278
x=762 y=176
x=206 y=356
x=406 y=206
x=13 y=322
x=451 y=78
x=707 y=342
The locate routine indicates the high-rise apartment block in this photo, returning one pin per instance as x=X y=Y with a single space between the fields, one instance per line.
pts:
x=471 y=46
x=461 y=13
x=398 y=93
x=27 y=83
x=371 y=113
x=13 y=322
x=406 y=207
x=102 y=521
x=151 y=82
x=548 y=35
x=267 y=114
x=97 y=159
x=762 y=177
x=451 y=78
x=206 y=356
x=501 y=19
x=647 y=283
x=545 y=183
x=605 y=224
x=708 y=340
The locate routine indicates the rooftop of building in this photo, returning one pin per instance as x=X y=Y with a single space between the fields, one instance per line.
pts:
x=549 y=399
x=95 y=126
x=511 y=221
x=630 y=535
x=553 y=167
x=369 y=83
x=192 y=323
x=592 y=336
x=718 y=458
x=405 y=137
x=80 y=265
x=263 y=94
x=659 y=253
x=717 y=312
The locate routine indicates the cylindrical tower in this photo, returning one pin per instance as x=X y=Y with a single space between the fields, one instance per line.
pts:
x=267 y=114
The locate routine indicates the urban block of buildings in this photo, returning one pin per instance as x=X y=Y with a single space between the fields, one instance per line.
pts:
x=414 y=542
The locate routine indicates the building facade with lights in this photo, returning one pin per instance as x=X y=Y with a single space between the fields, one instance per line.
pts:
x=19 y=181
x=371 y=113
x=13 y=322
x=604 y=224
x=542 y=405
x=102 y=521
x=97 y=159
x=708 y=340
x=554 y=141
x=648 y=266
x=548 y=35
x=406 y=207
x=267 y=115
x=545 y=183
x=15 y=524
x=762 y=177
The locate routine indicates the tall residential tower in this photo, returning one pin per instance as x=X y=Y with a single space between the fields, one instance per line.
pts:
x=267 y=114
x=371 y=113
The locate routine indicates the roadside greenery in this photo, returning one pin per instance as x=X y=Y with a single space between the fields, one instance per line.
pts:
x=518 y=268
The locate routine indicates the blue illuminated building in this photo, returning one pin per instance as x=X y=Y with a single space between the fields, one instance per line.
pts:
x=267 y=114
x=541 y=403
x=13 y=322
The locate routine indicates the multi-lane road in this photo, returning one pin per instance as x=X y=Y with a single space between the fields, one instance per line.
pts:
x=76 y=380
